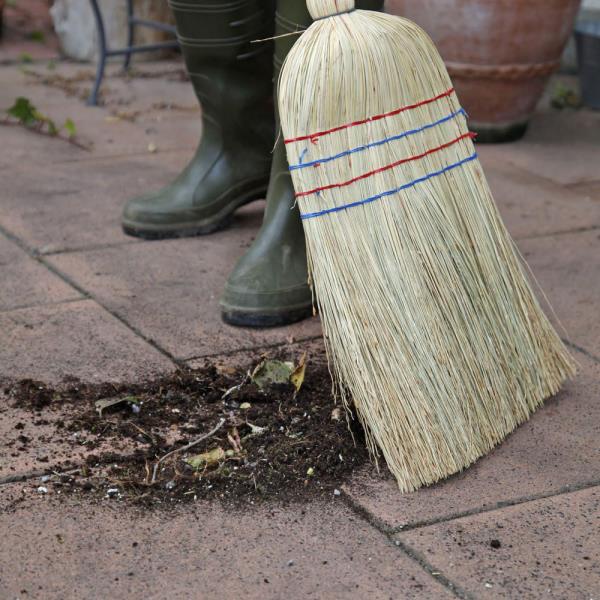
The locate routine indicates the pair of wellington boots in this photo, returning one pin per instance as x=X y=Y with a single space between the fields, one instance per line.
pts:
x=235 y=163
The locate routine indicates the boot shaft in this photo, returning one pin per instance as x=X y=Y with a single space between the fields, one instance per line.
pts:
x=292 y=16
x=230 y=74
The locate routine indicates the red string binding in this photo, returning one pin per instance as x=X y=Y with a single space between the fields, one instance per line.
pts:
x=387 y=167
x=314 y=136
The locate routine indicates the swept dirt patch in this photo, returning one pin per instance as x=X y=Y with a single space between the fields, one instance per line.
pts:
x=270 y=444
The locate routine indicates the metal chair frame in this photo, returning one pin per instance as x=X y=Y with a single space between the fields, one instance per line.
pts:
x=104 y=52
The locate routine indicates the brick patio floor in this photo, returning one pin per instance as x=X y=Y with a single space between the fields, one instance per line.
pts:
x=79 y=298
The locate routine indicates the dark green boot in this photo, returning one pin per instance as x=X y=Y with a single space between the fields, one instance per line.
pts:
x=232 y=79
x=269 y=285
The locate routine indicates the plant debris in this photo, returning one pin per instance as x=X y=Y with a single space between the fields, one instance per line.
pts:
x=565 y=97
x=107 y=403
x=191 y=438
x=25 y=114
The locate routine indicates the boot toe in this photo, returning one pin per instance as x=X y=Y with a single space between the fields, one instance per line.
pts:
x=139 y=210
x=149 y=217
x=251 y=302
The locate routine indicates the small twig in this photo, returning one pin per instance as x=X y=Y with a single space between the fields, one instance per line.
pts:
x=276 y=37
x=22 y=476
x=184 y=448
x=69 y=140
x=150 y=437
x=71 y=472
x=234 y=440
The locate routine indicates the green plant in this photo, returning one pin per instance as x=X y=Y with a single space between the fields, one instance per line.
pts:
x=29 y=116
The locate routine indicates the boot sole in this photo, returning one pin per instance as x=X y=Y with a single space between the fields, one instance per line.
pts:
x=239 y=318
x=194 y=228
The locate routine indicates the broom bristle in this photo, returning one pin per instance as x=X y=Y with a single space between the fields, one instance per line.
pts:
x=431 y=327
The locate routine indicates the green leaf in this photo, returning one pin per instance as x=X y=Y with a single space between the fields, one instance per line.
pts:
x=270 y=372
x=70 y=128
x=25 y=57
x=23 y=111
x=52 y=128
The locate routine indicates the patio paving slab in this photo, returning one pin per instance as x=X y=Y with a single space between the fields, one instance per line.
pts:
x=138 y=112
x=111 y=135
x=533 y=206
x=26 y=148
x=77 y=339
x=102 y=134
x=68 y=550
x=145 y=86
x=18 y=82
x=71 y=206
x=25 y=282
x=170 y=290
x=561 y=146
x=568 y=270
x=548 y=548
x=589 y=189
x=549 y=453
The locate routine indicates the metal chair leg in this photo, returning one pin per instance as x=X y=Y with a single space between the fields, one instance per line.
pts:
x=93 y=99
x=130 y=34
x=104 y=52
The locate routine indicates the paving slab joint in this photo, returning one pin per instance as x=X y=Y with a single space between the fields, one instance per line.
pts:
x=450 y=585
x=575 y=230
x=567 y=489
x=389 y=532
x=82 y=249
x=582 y=350
x=88 y=296
x=177 y=362
x=367 y=516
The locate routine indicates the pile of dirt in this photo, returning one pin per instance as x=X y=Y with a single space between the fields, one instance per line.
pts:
x=230 y=439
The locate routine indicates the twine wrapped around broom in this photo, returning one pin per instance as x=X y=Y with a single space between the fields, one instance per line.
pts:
x=431 y=327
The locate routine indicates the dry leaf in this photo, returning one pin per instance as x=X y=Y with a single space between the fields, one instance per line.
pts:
x=256 y=429
x=206 y=459
x=297 y=376
x=336 y=414
x=270 y=372
x=102 y=405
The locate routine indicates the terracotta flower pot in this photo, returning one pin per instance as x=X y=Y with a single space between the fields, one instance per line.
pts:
x=499 y=53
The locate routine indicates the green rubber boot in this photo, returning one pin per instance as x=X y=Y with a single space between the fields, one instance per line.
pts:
x=269 y=285
x=232 y=79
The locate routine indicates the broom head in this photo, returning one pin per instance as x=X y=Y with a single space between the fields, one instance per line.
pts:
x=431 y=327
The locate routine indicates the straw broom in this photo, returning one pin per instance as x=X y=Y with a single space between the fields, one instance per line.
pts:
x=431 y=328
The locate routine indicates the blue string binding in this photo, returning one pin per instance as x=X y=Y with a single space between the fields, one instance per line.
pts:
x=326 y=211
x=327 y=159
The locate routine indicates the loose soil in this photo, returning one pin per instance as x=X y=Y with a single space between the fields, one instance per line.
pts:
x=273 y=445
